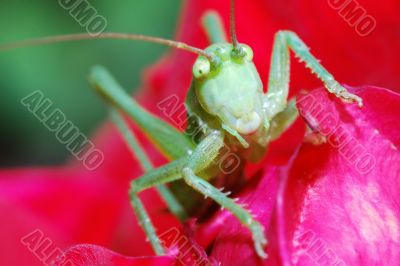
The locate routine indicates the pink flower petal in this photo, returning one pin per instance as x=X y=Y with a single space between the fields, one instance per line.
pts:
x=75 y=206
x=91 y=255
x=340 y=204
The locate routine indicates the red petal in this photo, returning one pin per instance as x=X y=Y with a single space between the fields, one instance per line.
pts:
x=91 y=255
x=342 y=50
x=72 y=206
x=181 y=244
x=340 y=203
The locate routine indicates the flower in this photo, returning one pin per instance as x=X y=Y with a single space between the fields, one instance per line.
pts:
x=337 y=203
x=323 y=198
x=95 y=255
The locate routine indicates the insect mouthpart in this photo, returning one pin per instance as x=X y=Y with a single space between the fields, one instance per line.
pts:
x=248 y=124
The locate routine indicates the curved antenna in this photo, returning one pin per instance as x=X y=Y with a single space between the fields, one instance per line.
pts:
x=108 y=35
x=232 y=26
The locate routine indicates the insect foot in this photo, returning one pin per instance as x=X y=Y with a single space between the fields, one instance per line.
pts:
x=341 y=92
x=259 y=238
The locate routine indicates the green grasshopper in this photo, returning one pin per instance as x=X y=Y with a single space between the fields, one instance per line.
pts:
x=226 y=102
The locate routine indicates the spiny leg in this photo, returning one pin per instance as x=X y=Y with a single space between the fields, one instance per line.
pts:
x=145 y=222
x=172 y=203
x=204 y=155
x=244 y=216
x=167 y=173
x=279 y=76
x=154 y=178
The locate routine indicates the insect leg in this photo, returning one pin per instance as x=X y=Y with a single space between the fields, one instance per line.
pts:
x=204 y=154
x=153 y=178
x=283 y=120
x=168 y=139
x=175 y=207
x=145 y=222
x=202 y=157
x=279 y=76
x=242 y=214
x=212 y=24
x=173 y=143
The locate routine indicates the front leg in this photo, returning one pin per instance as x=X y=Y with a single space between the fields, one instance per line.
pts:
x=244 y=216
x=203 y=156
x=279 y=77
x=187 y=167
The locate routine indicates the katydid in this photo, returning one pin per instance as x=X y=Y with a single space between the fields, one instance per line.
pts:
x=225 y=101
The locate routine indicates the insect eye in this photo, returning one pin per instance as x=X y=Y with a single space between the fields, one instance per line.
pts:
x=248 y=51
x=201 y=68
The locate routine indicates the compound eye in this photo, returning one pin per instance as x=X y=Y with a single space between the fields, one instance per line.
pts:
x=201 y=68
x=248 y=51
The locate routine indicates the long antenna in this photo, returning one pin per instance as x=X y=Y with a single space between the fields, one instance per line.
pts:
x=108 y=35
x=232 y=25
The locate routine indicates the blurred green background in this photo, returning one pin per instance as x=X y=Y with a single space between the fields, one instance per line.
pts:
x=60 y=70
